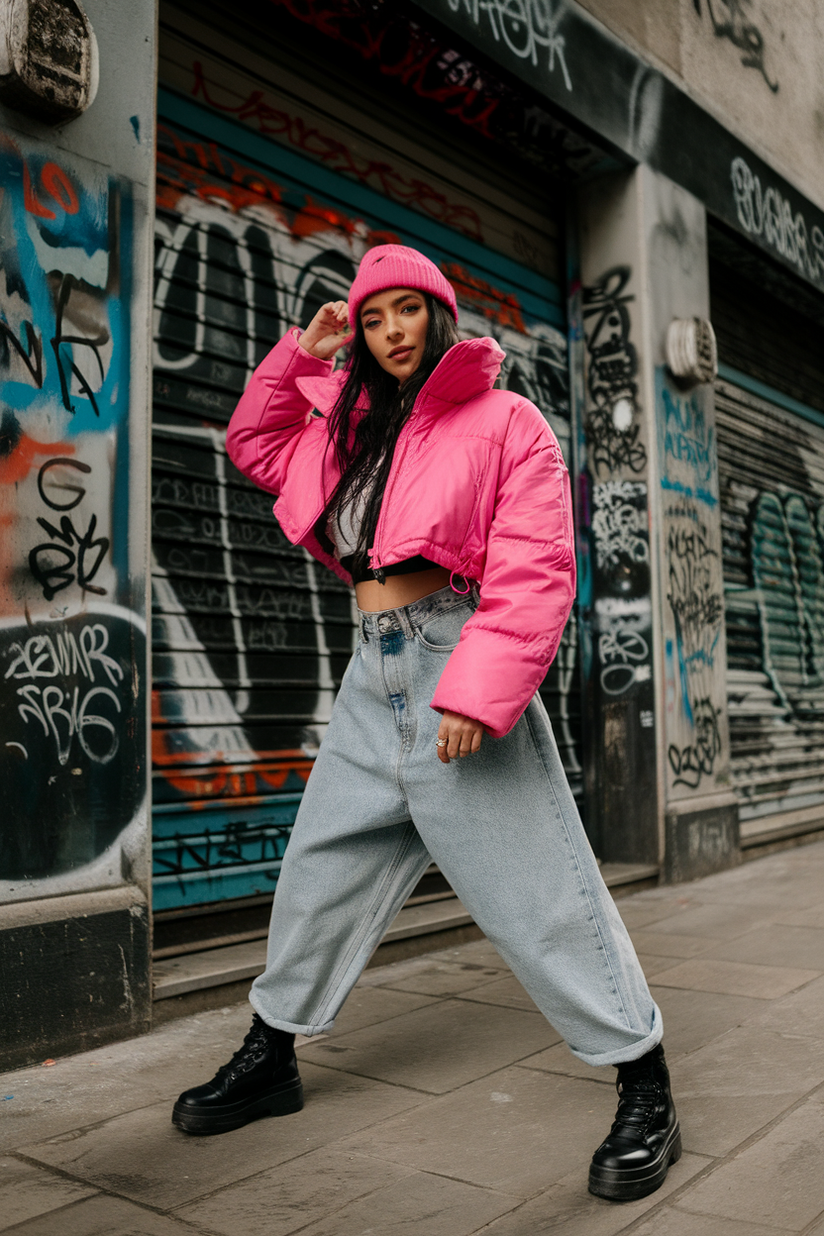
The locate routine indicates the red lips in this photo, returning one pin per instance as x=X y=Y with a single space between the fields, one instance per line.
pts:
x=399 y=352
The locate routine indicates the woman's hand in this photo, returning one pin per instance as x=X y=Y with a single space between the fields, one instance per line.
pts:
x=462 y=734
x=328 y=330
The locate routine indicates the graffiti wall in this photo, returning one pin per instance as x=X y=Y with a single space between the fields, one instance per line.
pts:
x=615 y=602
x=72 y=738
x=250 y=636
x=697 y=733
x=754 y=63
x=772 y=504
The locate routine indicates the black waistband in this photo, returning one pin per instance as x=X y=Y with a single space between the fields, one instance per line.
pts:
x=407 y=567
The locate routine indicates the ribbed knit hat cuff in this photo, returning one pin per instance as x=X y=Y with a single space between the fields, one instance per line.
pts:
x=396 y=266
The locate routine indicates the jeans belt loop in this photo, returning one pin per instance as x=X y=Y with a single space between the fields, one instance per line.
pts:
x=406 y=624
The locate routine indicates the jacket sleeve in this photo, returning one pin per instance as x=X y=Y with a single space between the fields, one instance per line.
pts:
x=272 y=414
x=527 y=591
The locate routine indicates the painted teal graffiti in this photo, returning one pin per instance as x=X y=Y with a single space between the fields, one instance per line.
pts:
x=64 y=345
x=73 y=734
x=688 y=439
x=788 y=570
x=687 y=491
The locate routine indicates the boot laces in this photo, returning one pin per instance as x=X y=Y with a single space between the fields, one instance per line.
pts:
x=250 y=1053
x=639 y=1099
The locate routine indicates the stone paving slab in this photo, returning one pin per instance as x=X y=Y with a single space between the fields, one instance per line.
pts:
x=801 y=918
x=368 y=1006
x=506 y=991
x=714 y=920
x=279 y=1202
x=529 y=1130
x=443 y=1104
x=738 y=1084
x=801 y=1013
x=434 y=978
x=419 y=1204
x=770 y=1181
x=675 y=1222
x=567 y=1209
x=735 y=977
x=478 y=952
x=104 y=1216
x=776 y=945
x=669 y=944
x=27 y=1191
x=96 y=1085
x=439 y=1047
x=141 y=1156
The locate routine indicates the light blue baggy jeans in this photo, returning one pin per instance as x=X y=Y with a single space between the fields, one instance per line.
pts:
x=502 y=825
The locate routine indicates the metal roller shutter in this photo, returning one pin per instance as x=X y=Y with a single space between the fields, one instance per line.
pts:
x=771 y=465
x=250 y=637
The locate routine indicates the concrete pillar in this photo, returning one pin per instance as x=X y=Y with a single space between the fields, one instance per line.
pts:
x=652 y=588
x=76 y=246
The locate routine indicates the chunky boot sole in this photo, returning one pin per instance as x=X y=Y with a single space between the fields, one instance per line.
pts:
x=280 y=1100
x=633 y=1182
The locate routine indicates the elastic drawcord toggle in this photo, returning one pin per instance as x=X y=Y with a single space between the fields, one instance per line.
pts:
x=462 y=592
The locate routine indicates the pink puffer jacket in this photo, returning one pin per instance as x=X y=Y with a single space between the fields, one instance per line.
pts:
x=478 y=484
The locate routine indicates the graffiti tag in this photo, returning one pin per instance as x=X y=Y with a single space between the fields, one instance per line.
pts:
x=611 y=430
x=767 y=213
x=619 y=523
x=687 y=437
x=624 y=655
x=272 y=120
x=527 y=27
x=697 y=759
x=235 y=845
x=734 y=24
x=696 y=604
x=70 y=554
x=65 y=712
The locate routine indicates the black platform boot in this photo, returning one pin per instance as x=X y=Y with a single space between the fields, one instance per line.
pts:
x=645 y=1137
x=261 y=1079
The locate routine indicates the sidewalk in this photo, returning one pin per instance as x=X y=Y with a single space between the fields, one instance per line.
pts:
x=443 y=1104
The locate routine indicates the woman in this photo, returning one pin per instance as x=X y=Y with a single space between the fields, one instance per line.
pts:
x=416 y=480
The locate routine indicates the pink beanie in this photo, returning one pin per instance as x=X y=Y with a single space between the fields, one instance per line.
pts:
x=396 y=266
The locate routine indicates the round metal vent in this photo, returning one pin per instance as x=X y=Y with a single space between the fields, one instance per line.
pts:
x=692 y=354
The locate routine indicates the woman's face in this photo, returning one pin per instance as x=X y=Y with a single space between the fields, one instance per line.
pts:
x=394 y=324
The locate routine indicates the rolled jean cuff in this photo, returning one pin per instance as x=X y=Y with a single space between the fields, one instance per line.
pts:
x=292 y=1027
x=633 y=1051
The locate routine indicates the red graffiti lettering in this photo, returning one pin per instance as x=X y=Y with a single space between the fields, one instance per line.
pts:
x=501 y=307
x=27 y=453
x=405 y=51
x=274 y=121
x=55 y=183
x=201 y=171
x=31 y=203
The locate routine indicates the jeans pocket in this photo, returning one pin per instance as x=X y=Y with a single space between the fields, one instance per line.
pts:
x=441 y=632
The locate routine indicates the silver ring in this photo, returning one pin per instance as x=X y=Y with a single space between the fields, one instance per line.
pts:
x=441 y=742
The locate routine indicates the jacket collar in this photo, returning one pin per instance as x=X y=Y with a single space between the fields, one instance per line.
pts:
x=466 y=370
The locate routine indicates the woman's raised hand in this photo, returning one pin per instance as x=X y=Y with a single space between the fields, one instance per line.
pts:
x=458 y=736
x=328 y=330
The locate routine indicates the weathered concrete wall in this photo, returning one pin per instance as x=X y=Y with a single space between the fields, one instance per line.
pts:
x=755 y=63
x=616 y=584
x=652 y=590
x=76 y=217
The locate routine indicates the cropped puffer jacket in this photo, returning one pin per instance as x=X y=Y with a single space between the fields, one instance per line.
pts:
x=478 y=484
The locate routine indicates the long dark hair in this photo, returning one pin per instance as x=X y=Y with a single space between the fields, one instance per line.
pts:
x=365 y=456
